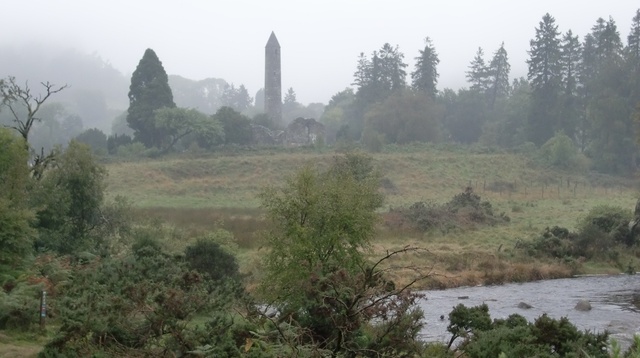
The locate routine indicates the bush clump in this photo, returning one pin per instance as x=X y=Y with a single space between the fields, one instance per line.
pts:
x=464 y=210
x=516 y=337
x=600 y=233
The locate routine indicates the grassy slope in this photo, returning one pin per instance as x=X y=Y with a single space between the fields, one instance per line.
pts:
x=198 y=192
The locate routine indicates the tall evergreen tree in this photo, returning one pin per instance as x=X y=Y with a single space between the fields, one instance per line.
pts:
x=378 y=77
x=498 y=76
x=610 y=44
x=632 y=50
x=425 y=76
x=393 y=68
x=571 y=56
x=149 y=91
x=236 y=98
x=632 y=53
x=545 y=79
x=608 y=108
x=478 y=74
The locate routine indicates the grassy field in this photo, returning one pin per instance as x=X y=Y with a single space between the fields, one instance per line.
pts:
x=197 y=194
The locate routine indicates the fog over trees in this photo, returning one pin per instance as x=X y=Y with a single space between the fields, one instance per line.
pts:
x=583 y=86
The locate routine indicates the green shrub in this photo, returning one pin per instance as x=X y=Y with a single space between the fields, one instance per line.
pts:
x=560 y=152
x=609 y=222
x=140 y=304
x=372 y=140
x=95 y=139
x=463 y=211
x=516 y=337
x=20 y=308
x=208 y=257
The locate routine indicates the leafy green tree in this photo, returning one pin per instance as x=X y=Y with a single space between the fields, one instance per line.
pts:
x=425 y=76
x=94 y=138
x=322 y=221
x=68 y=201
x=406 y=116
x=237 y=127
x=339 y=113
x=179 y=122
x=545 y=78
x=148 y=92
x=466 y=116
x=16 y=234
x=317 y=274
x=56 y=128
x=559 y=151
x=117 y=140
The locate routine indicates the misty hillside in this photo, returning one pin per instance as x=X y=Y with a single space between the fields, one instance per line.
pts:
x=96 y=92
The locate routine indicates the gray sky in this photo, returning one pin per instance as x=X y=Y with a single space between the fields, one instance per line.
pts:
x=320 y=40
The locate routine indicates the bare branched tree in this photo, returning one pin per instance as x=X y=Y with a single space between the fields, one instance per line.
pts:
x=15 y=96
x=24 y=106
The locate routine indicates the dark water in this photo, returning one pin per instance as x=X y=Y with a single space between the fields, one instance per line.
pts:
x=615 y=302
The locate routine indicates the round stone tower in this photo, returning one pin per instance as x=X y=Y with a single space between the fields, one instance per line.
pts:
x=272 y=79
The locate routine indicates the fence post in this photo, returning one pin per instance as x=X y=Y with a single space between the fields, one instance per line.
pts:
x=43 y=309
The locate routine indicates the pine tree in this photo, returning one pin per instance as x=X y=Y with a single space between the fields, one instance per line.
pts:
x=290 y=104
x=571 y=56
x=393 y=68
x=608 y=108
x=425 y=76
x=545 y=79
x=148 y=92
x=633 y=45
x=478 y=75
x=498 y=76
x=632 y=56
x=236 y=98
x=377 y=78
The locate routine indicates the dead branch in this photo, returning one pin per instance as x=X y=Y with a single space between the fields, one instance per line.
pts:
x=14 y=95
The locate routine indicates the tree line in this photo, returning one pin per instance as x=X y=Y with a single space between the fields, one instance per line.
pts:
x=585 y=89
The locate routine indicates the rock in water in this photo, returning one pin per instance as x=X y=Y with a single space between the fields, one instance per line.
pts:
x=583 y=305
x=524 y=305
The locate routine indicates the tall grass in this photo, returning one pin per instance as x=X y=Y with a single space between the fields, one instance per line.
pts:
x=208 y=192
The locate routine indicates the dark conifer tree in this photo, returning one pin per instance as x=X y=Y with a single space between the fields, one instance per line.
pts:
x=425 y=76
x=571 y=58
x=148 y=92
x=632 y=57
x=478 y=74
x=498 y=76
x=545 y=79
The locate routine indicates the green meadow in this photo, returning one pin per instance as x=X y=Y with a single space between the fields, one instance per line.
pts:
x=198 y=193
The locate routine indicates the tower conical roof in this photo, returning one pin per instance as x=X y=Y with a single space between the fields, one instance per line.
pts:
x=273 y=41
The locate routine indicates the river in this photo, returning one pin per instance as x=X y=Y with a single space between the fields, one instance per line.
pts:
x=615 y=302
